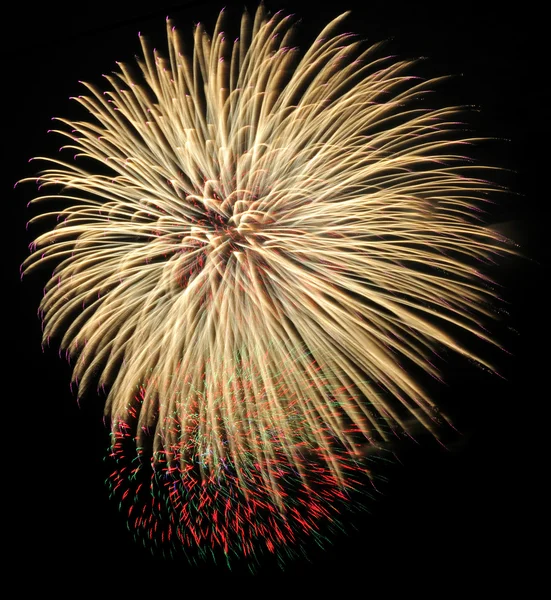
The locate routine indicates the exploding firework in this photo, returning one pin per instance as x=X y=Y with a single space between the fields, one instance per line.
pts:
x=254 y=242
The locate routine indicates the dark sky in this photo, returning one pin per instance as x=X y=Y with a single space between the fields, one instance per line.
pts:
x=446 y=515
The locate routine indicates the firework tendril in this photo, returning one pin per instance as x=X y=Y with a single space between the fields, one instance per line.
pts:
x=253 y=242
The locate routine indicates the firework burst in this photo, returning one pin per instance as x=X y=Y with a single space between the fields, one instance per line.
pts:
x=254 y=243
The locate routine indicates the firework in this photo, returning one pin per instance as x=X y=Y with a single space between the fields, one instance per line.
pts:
x=254 y=242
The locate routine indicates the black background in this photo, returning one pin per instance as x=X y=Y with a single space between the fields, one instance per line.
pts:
x=468 y=513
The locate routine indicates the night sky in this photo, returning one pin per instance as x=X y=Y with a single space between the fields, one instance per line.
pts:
x=463 y=513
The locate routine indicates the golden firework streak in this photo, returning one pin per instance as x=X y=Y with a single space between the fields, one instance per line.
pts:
x=264 y=240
